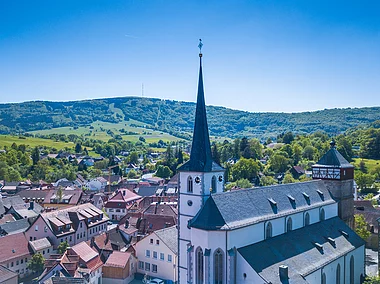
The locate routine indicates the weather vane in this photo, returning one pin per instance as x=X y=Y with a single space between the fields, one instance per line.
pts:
x=200 y=46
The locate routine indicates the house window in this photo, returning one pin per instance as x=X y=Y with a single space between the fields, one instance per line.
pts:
x=157 y=242
x=81 y=224
x=169 y=258
x=147 y=253
x=162 y=256
x=30 y=238
x=34 y=238
x=22 y=261
x=17 y=262
x=338 y=274
x=49 y=249
x=307 y=219
x=199 y=266
x=71 y=238
x=154 y=268
x=36 y=228
x=151 y=241
x=26 y=260
x=45 y=229
x=189 y=184
x=78 y=236
x=147 y=266
x=213 y=184
x=218 y=266
x=12 y=264
x=61 y=240
x=289 y=224
x=155 y=254
x=141 y=265
x=43 y=252
x=268 y=231
x=352 y=271
x=322 y=215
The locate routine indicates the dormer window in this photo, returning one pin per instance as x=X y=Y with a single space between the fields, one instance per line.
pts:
x=320 y=193
x=307 y=197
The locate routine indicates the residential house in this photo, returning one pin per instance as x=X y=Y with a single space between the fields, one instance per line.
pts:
x=7 y=276
x=73 y=224
x=35 y=195
x=80 y=181
x=119 y=268
x=97 y=200
x=16 y=251
x=108 y=242
x=147 y=190
x=371 y=215
x=157 y=254
x=297 y=171
x=16 y=227
x=89 y=261
x=130 y=167
x=116 y=206
x=97 y=184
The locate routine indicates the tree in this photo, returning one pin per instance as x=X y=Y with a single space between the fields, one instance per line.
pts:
x=288 y=179
x=267 y=180
x=278 y=163
x=163 y=172
x=288 y=137
x=133 y=157
x=78 y=148
x=180 y=157
x=308 y=152
x=62 y=247
x=132 y=174
x=35 y=155
x=362 y=166
x=361 y=227
x=59 y=194
x=215 y=154
x=13 y=175
x=344 y=146
x=364 y=180
x=297 y=154
x=245 y=169
x=36 y=263
x=372 y=280
x=243 y=183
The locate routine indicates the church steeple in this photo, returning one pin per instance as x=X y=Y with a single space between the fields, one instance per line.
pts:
x=200 y=157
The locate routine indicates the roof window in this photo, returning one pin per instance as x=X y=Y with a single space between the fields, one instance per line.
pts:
x=307 y=197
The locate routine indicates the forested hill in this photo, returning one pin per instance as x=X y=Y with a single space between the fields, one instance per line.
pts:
x=177 y=117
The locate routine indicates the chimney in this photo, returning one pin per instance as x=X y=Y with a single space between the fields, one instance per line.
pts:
x=31 y=205
x=283 y=272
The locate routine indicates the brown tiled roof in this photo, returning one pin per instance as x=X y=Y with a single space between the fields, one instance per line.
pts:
x=7 y=217
x=6 y=274
x=84 y=251
x=118 y=259
x=74 y=195
x=13 y=246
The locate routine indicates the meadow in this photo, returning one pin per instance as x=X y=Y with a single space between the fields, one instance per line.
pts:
x=8 y=140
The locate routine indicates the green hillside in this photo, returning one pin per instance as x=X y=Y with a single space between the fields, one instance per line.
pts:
x=174 y=118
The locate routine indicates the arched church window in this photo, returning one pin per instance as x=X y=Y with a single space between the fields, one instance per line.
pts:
x=199 y=266
x=213 y=184
x=338 y=274
x=307 y=219
x=289 y=224
x=323 y=278
x=218 y=266
x=268 y=231
x=189 y=184
x=322 y=215
x=352 y=270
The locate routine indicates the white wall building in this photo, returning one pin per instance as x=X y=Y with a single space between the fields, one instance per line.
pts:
x=292 y=233
x=157 y=254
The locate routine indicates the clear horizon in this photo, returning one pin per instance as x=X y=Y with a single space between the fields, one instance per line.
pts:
x=275 y=56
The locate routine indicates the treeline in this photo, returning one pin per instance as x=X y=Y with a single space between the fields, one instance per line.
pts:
x=177 y=118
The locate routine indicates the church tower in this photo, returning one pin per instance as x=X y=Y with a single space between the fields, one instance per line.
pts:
x=338 y=175
x=198 y=178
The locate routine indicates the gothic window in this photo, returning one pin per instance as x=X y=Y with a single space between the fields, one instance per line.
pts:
x=352 y=271
x=307 y=219
x=322 y=215
x=199 y=266
x=323 y=278
x=338 y=274
x=289 y=224
x=189 y=184
x=213 y=184
x=268 y=231
x=218 y=267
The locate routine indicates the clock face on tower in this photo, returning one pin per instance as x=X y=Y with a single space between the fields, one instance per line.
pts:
x=197 y=180
x=220 y=178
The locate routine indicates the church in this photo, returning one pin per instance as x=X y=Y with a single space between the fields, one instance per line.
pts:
x=288 y=233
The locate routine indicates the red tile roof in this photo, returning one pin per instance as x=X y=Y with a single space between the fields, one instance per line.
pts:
x=13 y=246
x=118 y=259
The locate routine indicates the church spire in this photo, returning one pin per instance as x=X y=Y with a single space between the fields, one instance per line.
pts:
x=200 y=157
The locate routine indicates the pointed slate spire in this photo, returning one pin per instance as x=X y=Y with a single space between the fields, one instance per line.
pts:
x=200 y=156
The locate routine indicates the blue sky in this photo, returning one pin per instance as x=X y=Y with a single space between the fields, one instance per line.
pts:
x=282 y=56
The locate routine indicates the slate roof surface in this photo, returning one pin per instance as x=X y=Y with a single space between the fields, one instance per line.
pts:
x=118 y=259
x=33 y=193
x=6 y=274
x=169 y=236
x=12 y=201
x=234 y=209
x=15 y=227
x=296 y=250
x=333 y=158
x=147 y=190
